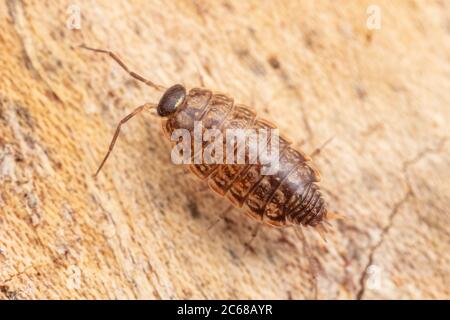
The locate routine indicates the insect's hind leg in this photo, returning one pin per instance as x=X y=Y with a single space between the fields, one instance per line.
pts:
x=124 y=67
x=249 y=242
x=220 y=218
x=139 y=109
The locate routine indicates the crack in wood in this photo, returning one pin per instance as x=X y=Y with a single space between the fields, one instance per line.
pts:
x=396 y=209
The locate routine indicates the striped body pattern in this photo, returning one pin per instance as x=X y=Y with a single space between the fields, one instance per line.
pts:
x=291 y=196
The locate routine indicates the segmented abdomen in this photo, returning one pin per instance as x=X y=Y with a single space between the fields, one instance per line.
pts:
x=290 y=196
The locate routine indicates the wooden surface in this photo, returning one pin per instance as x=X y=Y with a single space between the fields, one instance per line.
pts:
x=140 y=229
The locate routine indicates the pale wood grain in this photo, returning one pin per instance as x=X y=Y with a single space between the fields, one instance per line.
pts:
x=140 y=229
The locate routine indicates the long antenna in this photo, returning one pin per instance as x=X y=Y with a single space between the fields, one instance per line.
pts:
x=124 y=67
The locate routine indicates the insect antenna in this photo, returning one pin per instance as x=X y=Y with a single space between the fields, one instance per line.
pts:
x=124 y=67
x=139 y=109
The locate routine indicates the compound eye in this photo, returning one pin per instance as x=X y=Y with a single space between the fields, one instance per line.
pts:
x=172 y=99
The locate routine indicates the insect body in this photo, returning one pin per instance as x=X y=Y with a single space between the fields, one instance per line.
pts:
x=291 y=196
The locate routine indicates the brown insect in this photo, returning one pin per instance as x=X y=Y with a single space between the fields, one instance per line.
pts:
x=289 y=197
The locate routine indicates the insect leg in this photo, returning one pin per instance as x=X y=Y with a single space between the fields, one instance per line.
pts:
x=124 y=67
x=332 y=215
x=221 y=217
x=319 y=149
x=139 y=109
x=254 y=234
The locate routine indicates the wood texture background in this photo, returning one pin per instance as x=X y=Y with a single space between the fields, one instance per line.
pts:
x=140 y=229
